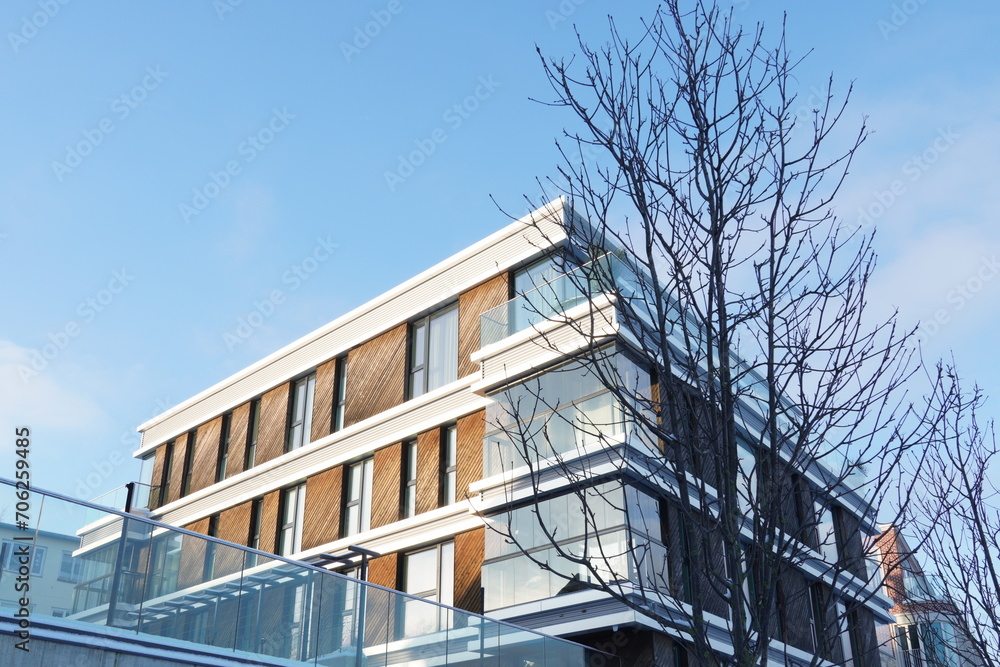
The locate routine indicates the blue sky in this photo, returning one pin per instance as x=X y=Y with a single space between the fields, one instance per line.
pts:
x=170 y=168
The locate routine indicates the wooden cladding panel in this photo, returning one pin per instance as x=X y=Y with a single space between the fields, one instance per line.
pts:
x=376 y=380
x=469 y=452
x=234 y=523
x=324 y=495
x=239 y=424
x=470 y=551
x=322 y=414
x=192 y=565
x=380 y=619
x=272 y=426
x=206 y=455
x=177 y=469
x=269 y=521
x=387 y=485
x=471 y=304
x=428 y=470
x=234 y=526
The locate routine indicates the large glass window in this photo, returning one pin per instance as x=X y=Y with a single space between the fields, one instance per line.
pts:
x=544 y=290
x=428 y=574
x=522 y=563
x=558 y=411
x=434 y=351
x=293 y=503
x=358 y=494
x=301 y=413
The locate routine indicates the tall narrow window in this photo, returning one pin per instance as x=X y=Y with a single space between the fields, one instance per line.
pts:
x=250 y=456
x=253 y=538
x=293 y=504
x=449 y=469
x=434 y=351
x=340 y=399
x=168 y=461
x=358 y=495
x=301 y=413
x=428 y=574
x=223 y=460
x=188 y=464
x=410 y=479
x=818 y=620
x=210 y=549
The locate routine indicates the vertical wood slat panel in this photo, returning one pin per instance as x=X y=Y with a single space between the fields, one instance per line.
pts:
x=469 y=452
x=234 y=523
x=192 y=565
x=428 y=470
x=376 y=380
x=177 y=468
x=239 y=424
x=269 y=521
x=322 y=414
x=387 y=485
x=206 y=454
x=324 y=496
x=273 y=425
x=234 y=526
x=470 y=551
x=380 y=619
x=471 y=304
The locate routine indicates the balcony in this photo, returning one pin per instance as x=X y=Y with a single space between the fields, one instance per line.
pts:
x=159 y=583
x=923 y=587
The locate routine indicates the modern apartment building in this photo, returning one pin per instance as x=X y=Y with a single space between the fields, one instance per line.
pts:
x=921 y=634
x=384 y=430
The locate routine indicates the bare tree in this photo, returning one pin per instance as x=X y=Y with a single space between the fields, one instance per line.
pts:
x=754 y=399
x=962 y=552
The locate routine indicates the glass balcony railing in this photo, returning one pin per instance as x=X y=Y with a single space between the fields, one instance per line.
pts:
x=922 y=587
x=157 y=580
x=556 y=297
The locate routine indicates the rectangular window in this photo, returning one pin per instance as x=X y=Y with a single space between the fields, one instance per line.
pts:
x=188 y=464
x=410 y=479
x=300 y=411
x=340 y=399
x=164 y=481
x=428 y=574
x=358 y=496
x=59 y=613
x=250 y=456
x=449 y=469
x=293 y=505
x=253 y=538
x=12 y=555
x=223 y=460
x=434 y=351
x=70 y=568
x=210 y=549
